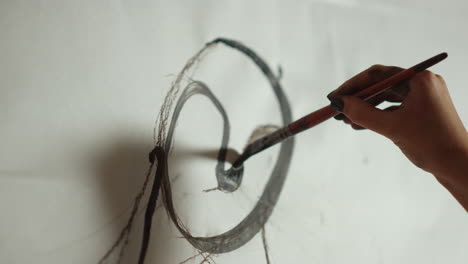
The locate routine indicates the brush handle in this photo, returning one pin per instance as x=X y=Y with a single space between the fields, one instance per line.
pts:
x=312 y=119
x=402 y=76
x=328 y=112
x=263 y=143
x=281 y=134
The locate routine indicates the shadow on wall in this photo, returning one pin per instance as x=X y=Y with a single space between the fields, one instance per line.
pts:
x=121 y=171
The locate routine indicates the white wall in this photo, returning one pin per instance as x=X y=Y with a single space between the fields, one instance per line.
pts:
x=81 y=83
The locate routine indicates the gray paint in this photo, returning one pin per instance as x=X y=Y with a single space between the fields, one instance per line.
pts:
x=229 y=180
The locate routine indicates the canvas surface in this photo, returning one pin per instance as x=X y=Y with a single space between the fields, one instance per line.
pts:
x=81 y=84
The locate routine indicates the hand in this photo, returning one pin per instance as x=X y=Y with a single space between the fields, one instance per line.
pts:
x=425 y=126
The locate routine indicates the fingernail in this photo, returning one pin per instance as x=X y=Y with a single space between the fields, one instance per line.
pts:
x=340 y=117
x=337 y=104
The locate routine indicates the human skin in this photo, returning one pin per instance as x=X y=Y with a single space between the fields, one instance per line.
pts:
x=425 y=126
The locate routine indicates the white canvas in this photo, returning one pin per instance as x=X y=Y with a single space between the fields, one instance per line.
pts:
x=81 y=84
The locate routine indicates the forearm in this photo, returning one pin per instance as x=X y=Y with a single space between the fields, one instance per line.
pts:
x=453 y=175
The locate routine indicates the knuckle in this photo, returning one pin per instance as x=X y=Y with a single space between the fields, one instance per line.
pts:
x=377 y=67
x=378 y=72
x=395 y=68
x=332 y=95
x=440 y=78
x=427 y=76
x=423 y=79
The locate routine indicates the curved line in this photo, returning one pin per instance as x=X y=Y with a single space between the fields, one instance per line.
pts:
x=255 y=220
x=227 y=180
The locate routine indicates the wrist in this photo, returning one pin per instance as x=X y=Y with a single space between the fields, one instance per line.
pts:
x=451 y=162
x=453 y=173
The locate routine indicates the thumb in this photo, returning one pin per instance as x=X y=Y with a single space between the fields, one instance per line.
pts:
x=366 y=115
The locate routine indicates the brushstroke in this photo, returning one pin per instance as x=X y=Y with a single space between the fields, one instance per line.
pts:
x=228 y=180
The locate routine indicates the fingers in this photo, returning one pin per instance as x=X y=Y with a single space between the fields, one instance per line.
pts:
x=365 y=79
x=425 y=83
x=340 y=117
x=397 y=93
x=360 y=114
x=365 y=115
x=358 y=127
x=392 y=108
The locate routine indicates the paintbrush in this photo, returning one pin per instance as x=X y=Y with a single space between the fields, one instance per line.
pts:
x=328 y=112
